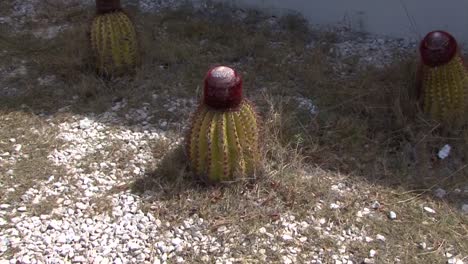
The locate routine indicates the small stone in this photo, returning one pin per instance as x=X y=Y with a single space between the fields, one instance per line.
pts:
x=444 y=152
x=440 y=193
x=375 y=205
x=176 y=241
x=380 y=237
x=22 y=209
x=79 y=259
x=372 y=253
x=465 y=208
x=392 y=215
x=262 y=230
x=3 y=222
x=448 y=254
x=422 y=245
x=287 y=237
x=368 y=239
x=17 y=147
x=369 y=261
x=455 y=261
x=334 y=206
x=4 y=206
x=81 y=206
x=429 y=210
x=12 y=140
x=85 y=123
x=222 y=229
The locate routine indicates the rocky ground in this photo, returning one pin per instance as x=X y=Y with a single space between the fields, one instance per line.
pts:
x=84 y=207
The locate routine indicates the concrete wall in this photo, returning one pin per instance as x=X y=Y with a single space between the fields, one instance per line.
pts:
x=398 y=18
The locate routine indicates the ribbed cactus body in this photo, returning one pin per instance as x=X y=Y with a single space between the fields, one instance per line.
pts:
x=223 y=145
x=444 y=90
x=114 y=43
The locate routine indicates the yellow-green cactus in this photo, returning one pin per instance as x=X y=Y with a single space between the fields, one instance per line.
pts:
x=223 y=139
x=113 y=40
x=443 y=78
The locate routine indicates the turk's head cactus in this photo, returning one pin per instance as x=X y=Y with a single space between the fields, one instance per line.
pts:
x=222 y=143
x=442 y=80
x=113 y=39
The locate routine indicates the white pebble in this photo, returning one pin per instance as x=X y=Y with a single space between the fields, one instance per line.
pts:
x=465 y=208
x=4 y=206
x=422 y=245
x=22 y=209
x=444 y=151
x=375 y=205
x=372 y=253
x=380 y=237
x=392 y=215
x=429 y=210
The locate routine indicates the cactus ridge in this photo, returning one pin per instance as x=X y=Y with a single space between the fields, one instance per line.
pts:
x=114 y=43
x=223 y=145
x=445 y=89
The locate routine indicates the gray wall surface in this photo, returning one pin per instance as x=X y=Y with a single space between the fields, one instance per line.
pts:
x=397 y=18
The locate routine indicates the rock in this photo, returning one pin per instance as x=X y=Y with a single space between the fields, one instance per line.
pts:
x=287 y=237
x=375 y=205
x=465 y=208
x=380 y=237
x=422 y=245
x=4 y=206
x=444 y=152
x=369 y=261
x=22 y=209
x=176 y=241
x=392 y=215
x=79 y=259
x=81 y=206
x=222 y=229
x=429 y=210
x=3 y=222
x=455 y=261
x=440 y=193
x=85 y=123
x=372 y=253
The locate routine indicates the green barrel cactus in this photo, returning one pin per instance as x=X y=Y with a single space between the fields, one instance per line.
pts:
x=443 y=81
x=222 y=144
x=113 y=39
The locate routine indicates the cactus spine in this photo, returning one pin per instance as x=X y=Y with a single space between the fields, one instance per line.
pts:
x=223 y=140
x=443 y=80
x=113 y=39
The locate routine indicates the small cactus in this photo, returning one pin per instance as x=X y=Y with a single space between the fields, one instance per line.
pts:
x=113 y=39
x=442 y=77
x=222 y=144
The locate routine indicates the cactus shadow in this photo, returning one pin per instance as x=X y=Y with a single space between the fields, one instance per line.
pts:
x=171 y=178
